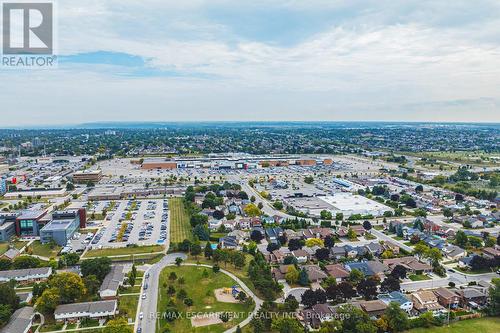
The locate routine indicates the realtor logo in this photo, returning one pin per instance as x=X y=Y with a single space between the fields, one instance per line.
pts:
x=28 y=34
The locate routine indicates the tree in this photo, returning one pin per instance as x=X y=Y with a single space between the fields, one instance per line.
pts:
x=215 y=268
x=287 y=325
x=390 y=284
x=303 y=278
x=329 y=242
x=325 y=214
x=309 y=298
x=70 y=286
x=367 y=288
x=308 y=179
x=292 y=275
x=355 y=320
x=322 y=254
x=399 y=272
x=356 y=276
x=117 y=325
x=48 y=301
x=5 y=264
x=218 y=214
x=100 y=267
x=23 y=262
x=278 y=205
x=178 y=261
x=351 y=234
x=195 y=250
x=419 y=188
x=346 y=290
x=252 y=210
x=314 y=242
x=202 y=232
x=8 y=296
x=396 y=318
x=5 y=313
x=92 y=284
x=367 y=225
x=294 y=244
x=494 y=293
x=272 y=246
x=256 y=236
x=172 y=276
x=434 y=255
x=291 y=303
x=71 y=259
x=208 y=251
x=461 y=239
x=132 y=275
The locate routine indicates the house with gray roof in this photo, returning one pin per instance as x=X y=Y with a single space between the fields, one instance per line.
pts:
x=112 y=282
x=95 y=310
x=29 y=274
x=20 y=321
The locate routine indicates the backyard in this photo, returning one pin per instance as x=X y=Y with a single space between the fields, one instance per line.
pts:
x=199 y=286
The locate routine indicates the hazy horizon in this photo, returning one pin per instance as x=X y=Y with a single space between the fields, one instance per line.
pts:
x=280 y=60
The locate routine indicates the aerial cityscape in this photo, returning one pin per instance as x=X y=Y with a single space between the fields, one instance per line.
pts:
x=227 y=166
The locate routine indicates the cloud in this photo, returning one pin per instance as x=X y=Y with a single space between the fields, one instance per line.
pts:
x=315 y=60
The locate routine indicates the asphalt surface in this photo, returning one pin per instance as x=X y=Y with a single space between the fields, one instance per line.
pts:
x=148 y=306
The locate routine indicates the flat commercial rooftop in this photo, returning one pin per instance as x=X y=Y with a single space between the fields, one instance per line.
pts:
x=58 y=225
x=352 y=202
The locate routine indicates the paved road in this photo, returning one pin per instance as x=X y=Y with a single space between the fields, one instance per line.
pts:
x=456 y=277
x=148 y=306
x=386 y=238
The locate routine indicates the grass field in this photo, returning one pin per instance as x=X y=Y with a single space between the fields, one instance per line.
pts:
x=482 y=325
x=200 y=290
x=4 y=247
x=127 y=306
x=240 y=273
x=45 y=250
x=124 y=250
x=180 y=229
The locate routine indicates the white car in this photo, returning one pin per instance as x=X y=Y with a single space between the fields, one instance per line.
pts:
x=144 y=296
x=141 y=315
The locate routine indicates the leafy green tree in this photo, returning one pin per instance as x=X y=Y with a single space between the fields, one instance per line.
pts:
x=69 y=285
x=48 y=301
x=303 y=278
x=100 y=267
x=396 y=317
x=117 y=325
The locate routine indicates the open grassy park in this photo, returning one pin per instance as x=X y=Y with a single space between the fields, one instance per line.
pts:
x=180 y=229
x=482 y=325
x=199 y=287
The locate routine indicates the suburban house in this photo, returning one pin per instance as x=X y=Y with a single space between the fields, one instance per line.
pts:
x=453 y=252
x=491 y=252
x=95 y=310
x=426 y=300
x=465 y=262
x=447 y=298
x=337 y=271
x=26 y=275
x=301 y=255
x=317 y=314
x=472 y=297
x=20 y=321
x=374 y=308
x=315 y=273
x=112 y=282
x=369 y=268
x=412 y=265
x=397 y=297
x=279 y=272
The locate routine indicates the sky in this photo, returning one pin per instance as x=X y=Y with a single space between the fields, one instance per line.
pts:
x=263 y=60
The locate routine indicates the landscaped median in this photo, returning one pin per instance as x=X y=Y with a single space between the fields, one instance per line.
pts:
x=196 y=299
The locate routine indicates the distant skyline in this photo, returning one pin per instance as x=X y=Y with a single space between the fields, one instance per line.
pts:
x=281 y=60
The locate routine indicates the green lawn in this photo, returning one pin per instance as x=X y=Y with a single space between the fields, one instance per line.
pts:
x=131 y=290
x=127 y=306
x=4 y=247
x=51 y=327
x=180 y=228
x=482 y=325
x=240 y=273
x=124 y=250
x=45 y=250
x=71 y=326
x=19 y=244
x=418 y=277
x=201 y=291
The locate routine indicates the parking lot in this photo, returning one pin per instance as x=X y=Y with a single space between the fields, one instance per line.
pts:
x=141 y=222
